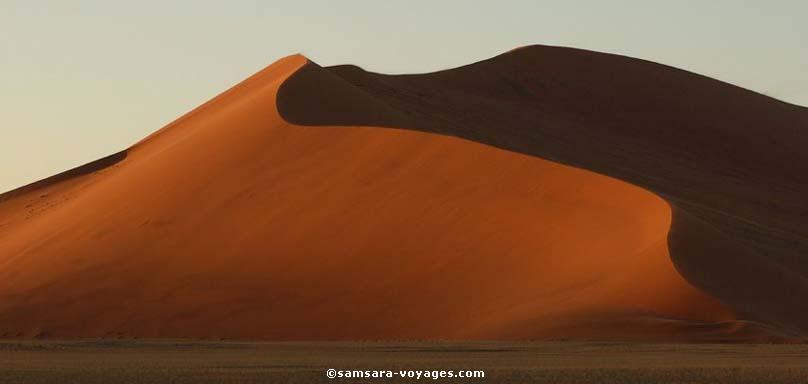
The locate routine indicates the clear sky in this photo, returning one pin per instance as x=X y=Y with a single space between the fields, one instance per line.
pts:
x=83 y=79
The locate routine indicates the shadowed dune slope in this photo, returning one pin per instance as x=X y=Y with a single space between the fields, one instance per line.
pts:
x=232 y=222
x=732 y=163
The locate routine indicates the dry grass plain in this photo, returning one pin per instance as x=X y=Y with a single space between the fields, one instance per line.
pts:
x=182 y=361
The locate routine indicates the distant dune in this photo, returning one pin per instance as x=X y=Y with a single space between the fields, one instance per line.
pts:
x=547 y=193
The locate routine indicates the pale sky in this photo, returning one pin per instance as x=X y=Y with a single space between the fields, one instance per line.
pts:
x=84 y=80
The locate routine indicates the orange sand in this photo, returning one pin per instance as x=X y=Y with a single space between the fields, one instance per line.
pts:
x=231 y=222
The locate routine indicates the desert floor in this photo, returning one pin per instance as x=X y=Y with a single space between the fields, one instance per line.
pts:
x=182 y=361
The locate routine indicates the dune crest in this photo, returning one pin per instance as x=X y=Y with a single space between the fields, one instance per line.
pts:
x=235 y=221
x=733 y=163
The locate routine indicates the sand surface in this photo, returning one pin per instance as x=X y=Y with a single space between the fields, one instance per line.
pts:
x=292 y=208
x=184 y=361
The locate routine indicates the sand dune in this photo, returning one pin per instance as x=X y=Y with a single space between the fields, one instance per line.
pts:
x=293 y=207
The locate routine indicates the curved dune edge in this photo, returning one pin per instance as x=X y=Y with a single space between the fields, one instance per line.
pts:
x=234 y=223
x=713 y=150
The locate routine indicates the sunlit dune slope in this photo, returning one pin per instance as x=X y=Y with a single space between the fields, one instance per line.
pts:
x=232 y=222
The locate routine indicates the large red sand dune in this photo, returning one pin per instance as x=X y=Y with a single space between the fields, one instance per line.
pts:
x=294 y=207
